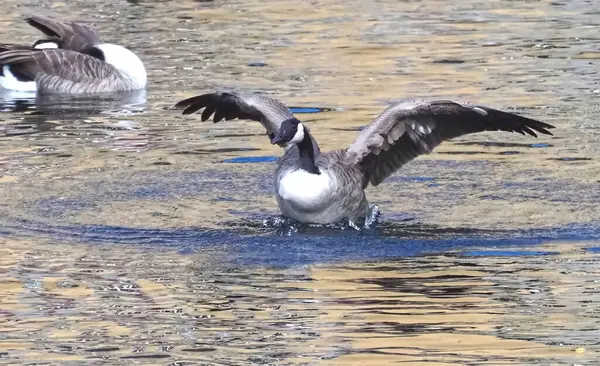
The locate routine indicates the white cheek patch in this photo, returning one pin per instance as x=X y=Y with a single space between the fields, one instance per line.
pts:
x=46 y=45
x=299 y=136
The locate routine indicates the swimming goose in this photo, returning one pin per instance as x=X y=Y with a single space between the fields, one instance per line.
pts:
x=72 y=60
x=324 y=188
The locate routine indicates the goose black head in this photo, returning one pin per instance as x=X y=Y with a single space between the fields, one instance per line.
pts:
x=94 y=52
x=290 y=132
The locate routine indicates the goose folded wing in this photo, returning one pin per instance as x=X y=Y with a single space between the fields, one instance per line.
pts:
x=228 y=105
x=65 y=64
x=70 y=36
x=9 y=46
x=414 y=127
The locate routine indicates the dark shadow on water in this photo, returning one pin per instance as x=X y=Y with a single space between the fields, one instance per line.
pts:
x=304 y=110
x=506 y=253
x=504 y=144
x=250 y=242
x=252 y=159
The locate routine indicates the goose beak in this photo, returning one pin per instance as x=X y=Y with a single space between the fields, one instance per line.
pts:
x=278 y=139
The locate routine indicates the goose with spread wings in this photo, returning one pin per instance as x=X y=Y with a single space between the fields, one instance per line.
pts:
x=324 y=188
x=71 y=60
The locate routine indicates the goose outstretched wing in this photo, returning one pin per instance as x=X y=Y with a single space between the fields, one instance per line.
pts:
x=229 y=105
x=411 y=128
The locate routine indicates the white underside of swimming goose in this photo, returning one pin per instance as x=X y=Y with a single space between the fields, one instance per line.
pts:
x=10 y=82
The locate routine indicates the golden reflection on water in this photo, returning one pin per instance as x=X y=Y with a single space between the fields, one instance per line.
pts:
x=79 y=302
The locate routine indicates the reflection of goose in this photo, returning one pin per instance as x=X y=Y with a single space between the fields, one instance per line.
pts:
x=106 y=120
x=323 y=188
x=74 y=106
x=72 y=60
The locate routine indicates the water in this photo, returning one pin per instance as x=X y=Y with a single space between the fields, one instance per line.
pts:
x=134 y=235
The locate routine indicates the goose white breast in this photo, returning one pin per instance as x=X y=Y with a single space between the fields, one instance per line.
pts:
x=125 y=61
x=305 y=190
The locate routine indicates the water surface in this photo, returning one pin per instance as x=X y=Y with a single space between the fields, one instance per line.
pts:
x=133 y=235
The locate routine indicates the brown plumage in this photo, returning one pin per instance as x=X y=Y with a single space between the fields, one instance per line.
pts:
x=268 y=111
x=69 y=36
x=66 y=64
x=399 y=134
x=80 y=64
x=410 y=128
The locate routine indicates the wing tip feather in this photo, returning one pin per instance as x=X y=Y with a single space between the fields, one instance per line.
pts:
x=189 y=105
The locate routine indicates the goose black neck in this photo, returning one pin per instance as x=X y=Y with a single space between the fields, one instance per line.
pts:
x=307 y=154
